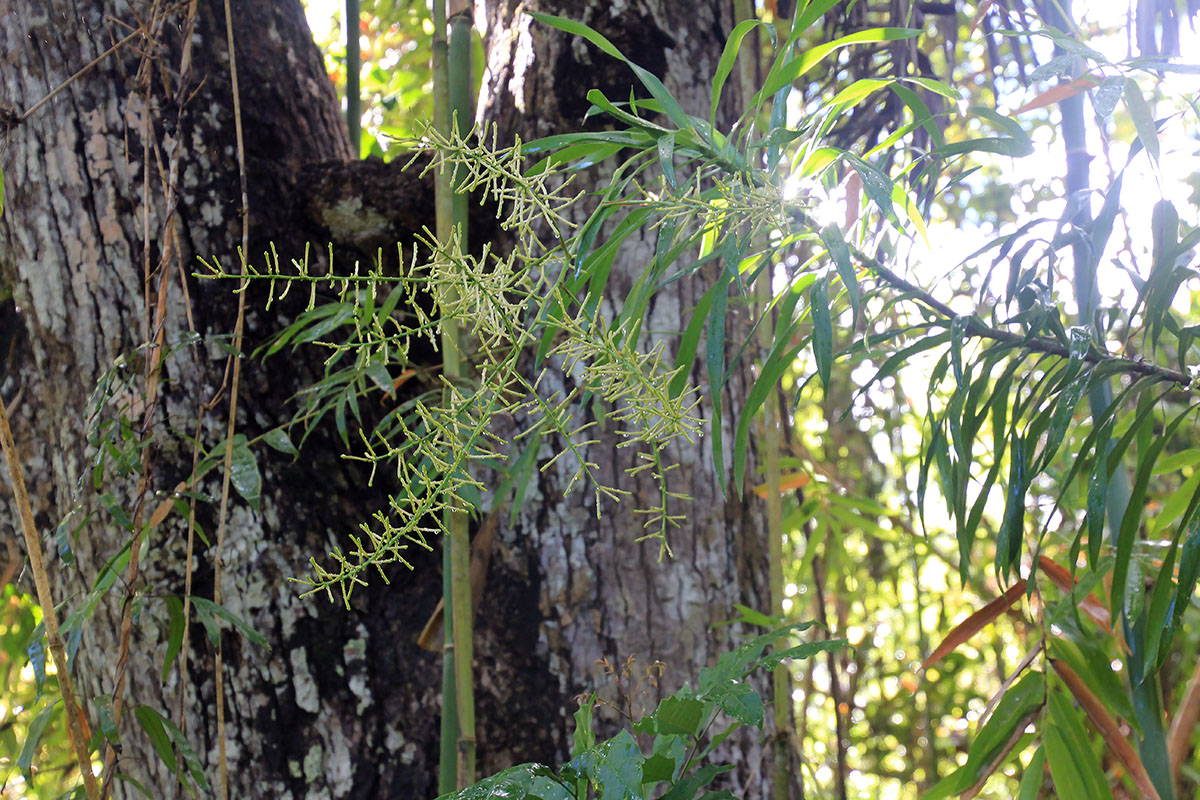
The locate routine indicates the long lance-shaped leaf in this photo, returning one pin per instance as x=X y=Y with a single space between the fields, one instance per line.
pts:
x=1133 y=515
x=1090 y=604
x=975 y=623
x=1108 y=729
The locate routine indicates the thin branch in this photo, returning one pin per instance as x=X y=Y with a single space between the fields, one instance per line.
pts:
x=79 y=74
x=977 y=328
x=223 y=793
x=37 y=564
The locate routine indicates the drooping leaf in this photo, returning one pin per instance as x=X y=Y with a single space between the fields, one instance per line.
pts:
x=243 y=472
x=174 y=634
x=33 y=738
x=1143 y=118
x=207 y=612
x=975 y=623
x=1109 y=730
x=822 y=337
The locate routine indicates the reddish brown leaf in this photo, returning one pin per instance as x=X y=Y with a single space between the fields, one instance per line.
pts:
x=1061 y=92
x=1090 y=605
x=796 y=480
x=1108 y=729
x=984 y=7
x=853 y=198
x=975 y=623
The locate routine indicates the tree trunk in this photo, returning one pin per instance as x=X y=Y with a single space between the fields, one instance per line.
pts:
x=343 y=704
x=603 y=598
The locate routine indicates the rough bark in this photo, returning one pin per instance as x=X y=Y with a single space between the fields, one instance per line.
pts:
x=343 y=704
x=603 y=598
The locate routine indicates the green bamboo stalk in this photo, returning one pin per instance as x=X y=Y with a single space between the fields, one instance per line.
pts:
x=460 y=546
x=353 y=68
x=452 y=76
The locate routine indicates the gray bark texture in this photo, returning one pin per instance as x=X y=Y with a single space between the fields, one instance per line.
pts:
x=342 y=704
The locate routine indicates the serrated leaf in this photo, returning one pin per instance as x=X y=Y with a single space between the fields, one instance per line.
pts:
x=681 y=716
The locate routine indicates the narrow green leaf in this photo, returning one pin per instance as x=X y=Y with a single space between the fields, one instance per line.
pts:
x=1133 y=515
x=1031 y=781
x=1143 y=118
x=666 y=157
x=822 y=336
x=33 y=737
x=725 y=66
x=1012 y=529
x=174 y=634
x=1097 y=495
x=831 y=236
x=204 y=606
x=107 y=719
x=782 y=74
x=152 y=723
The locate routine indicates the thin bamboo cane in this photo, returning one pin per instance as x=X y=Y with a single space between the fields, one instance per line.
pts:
x=37 y=565
x=459 y=75
x=451 y=92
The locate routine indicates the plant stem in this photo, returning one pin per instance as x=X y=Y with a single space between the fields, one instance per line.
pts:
x=451 y=75
x=460 y=544
x=353 y=69
x=37 y=565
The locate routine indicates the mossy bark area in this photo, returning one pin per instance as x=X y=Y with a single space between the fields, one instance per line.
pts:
x=343 y=704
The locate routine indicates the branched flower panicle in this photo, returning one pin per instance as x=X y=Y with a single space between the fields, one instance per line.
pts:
x=505 y=304
x=498 y=173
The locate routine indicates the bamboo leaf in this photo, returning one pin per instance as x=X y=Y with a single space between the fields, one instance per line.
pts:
x=1066 y=726
x=1143 y=119
x=785 y=73
x=33 y=737
x=1090 y=604
x=1133 y=516
x=1031 y=781
x=206 y=607
x=1061 y=92
x=1109 y=730
x=174 y=634
x=839 y=252
x=243 y=472
x=728 y=57
x=278 y=439
x=822 y=337
x=1012 y=528
x=975 y=623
